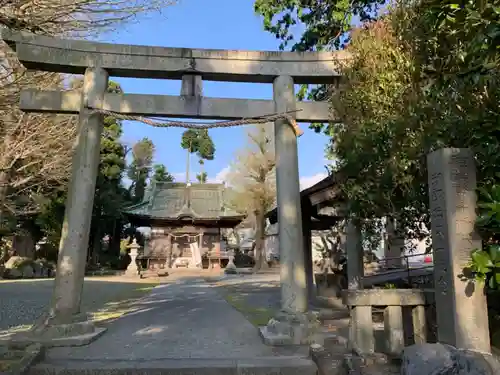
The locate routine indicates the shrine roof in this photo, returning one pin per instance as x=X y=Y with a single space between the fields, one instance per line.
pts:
x=174 y=201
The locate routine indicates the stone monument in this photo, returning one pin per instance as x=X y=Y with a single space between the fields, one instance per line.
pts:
x=461 y=309
x=132 y=269
x=354 y=251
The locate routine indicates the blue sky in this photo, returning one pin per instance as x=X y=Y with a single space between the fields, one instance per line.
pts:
x=220 y=24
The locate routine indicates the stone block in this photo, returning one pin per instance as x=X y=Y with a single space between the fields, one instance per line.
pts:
x=50 y=333
x=393 y=330
x=442 y=359
x=286 y=365
x=361 y=335
x=292 y=329
x=384 y=297
x=461 y=308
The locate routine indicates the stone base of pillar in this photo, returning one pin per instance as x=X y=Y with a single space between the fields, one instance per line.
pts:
x=292 y=329
x=51 y=332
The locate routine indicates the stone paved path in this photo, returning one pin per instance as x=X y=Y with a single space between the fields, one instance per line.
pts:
x=185 y=319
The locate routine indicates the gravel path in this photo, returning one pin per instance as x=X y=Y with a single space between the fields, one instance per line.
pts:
x=23 y=301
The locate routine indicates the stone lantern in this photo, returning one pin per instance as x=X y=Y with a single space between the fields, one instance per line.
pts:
x=231 y=267
x=132 y=269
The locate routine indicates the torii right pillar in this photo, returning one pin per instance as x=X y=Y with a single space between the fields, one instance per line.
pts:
x=294 y=325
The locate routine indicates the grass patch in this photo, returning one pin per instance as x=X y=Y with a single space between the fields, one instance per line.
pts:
x=5 y=364
x=258 y=316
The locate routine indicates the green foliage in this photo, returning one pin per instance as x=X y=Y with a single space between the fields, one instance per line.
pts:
x=111 y=196
x=414 y=85
x=206 y=147
x=50 y=219
x=140 y=168
x=324 y=22
x=124 y=245
x=161 y=174
x=485 y=266
x=190 y=140
x=325 y=25
x=202 y=177
x=198 y=142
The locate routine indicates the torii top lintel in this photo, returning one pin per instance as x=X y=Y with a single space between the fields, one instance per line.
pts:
x=120 y=60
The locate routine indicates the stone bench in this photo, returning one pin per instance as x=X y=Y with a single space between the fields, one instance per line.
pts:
x=361 y=304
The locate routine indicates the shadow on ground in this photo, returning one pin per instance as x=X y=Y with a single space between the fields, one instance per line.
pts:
x=24 y=301
x=258 y=301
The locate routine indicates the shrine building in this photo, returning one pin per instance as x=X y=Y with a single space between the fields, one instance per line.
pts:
x=186 y=222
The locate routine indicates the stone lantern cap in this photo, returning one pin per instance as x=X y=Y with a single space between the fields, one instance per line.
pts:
x=134 y=245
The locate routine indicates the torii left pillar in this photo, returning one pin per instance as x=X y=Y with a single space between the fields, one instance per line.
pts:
x=65 y=324
x=294 y=325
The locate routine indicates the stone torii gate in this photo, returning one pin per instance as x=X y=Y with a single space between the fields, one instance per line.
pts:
x=66 y=324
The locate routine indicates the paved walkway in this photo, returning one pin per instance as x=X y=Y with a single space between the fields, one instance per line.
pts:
x=185 y=319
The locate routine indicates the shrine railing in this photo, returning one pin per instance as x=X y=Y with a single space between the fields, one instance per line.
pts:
x=404 y=318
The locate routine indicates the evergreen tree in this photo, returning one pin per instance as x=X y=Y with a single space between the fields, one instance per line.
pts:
x=161 y=174
x=140 y=168
x=202 y=177
x=200 y=143
x=110 y=195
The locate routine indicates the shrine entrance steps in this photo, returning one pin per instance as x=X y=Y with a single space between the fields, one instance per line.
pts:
x=183 y=327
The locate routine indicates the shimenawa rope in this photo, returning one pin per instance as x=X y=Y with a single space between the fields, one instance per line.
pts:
x=220 y=124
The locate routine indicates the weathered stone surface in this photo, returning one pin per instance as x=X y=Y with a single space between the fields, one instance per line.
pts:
x=18 y=267
x=442 y=359
x=75 y=235
x=292 y=329
x=169 y=106
x=132 y=269
x=294 y=296
x=74 y=56
x=354 y=250
x=461 y=309
x=384 y=297
x=328 y=362
x=231 y=267
x=186 y=366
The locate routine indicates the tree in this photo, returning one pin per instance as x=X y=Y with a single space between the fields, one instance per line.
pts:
x=110 y=196
x=27 y=174
x=202 y=177
x=419 y=79
x=200 y=143
x=253 y=184
x=324 y=22
x=326 y=26
x=36 y=149
x=161 y=174
x=140 y=168
x=206 y=148
x=75 y=17
x=376 y=148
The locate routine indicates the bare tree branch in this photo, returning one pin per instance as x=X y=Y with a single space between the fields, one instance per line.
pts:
x=35 y=150
x=74 y=17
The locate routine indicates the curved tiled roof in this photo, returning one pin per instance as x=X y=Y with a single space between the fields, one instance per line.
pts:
x=172 y=200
